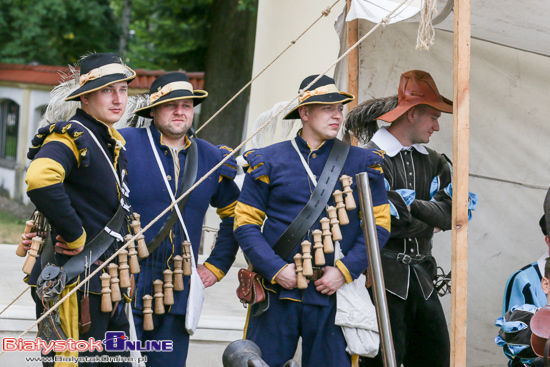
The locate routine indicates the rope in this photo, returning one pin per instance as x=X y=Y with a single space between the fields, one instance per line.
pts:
x=16 y=298
x=324 y=13
x=426 y=32
x=531 y=186
x=221 y=163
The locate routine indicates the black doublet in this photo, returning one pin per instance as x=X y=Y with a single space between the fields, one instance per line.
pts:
x=410 y=242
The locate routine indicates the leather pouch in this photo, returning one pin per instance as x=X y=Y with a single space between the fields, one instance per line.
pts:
x=250 y=290
x=85 y=321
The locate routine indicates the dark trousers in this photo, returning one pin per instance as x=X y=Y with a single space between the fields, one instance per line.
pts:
x=101 y=323
x=419 y=330
x=278 y=330
x=167 y=327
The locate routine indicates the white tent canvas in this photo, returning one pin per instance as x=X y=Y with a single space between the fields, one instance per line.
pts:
x=508 y=130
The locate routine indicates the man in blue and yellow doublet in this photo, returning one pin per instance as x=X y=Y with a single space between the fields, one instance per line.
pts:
x=524 y=286
x=277 y=186
x=71 y=181
x=172 y=100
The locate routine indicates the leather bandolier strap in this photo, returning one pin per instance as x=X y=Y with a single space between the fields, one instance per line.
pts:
x=316 y=204
x=189 y=175
x=75 y=265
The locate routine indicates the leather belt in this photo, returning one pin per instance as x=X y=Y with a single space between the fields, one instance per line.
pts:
x=407 y=259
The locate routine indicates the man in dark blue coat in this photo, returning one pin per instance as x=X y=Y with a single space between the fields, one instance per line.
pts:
x=277 y=187
x=171 y=103
x=77 y=181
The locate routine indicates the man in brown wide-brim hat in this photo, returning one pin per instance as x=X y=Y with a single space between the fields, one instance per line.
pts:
x=418 y=182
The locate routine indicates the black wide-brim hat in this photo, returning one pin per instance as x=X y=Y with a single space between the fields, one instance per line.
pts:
x=323 y=91
x=100 y=70
x=171 y=87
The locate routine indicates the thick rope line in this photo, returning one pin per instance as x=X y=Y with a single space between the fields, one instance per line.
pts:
x=16 y=298
x=524 y=184
x=222 y=162
x=324 y=13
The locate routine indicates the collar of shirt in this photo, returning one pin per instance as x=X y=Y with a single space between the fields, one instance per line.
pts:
x=157 y=137
x=100 y=129
x=306 y=149
x=542 y=263
x=389 y=143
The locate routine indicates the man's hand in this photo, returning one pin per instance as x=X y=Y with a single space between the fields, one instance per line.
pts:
x=61 y=247
x=331 y=280
x=208 y=278
x=287 y=277
x=28 y=242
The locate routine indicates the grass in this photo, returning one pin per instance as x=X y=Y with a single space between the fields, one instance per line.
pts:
x=11 y=228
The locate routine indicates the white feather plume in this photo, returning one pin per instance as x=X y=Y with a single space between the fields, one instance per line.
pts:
x=277 y=127
x=129 y=119
x=58 y=109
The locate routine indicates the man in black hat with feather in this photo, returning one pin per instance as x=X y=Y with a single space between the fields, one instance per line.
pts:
x=77 y=180
x=164 y=161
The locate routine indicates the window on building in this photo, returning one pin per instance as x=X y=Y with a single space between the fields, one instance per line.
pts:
x=9 y=126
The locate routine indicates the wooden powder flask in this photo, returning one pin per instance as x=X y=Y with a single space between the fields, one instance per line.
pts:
x=300 y=278
x=168 y=288
x=178 y=273
x=106 y=303
x=36 y=245
x=147 y=313
x=116 y=296
x=342 y=214
x=159 y=297
x=124 y=272
x=318 y=246
x=328 y=246
x=346 y=184
x=132 y=253
x=336 y=233
x=143 y=252
x=306 y=257
x=29 y=227
x=186 y=247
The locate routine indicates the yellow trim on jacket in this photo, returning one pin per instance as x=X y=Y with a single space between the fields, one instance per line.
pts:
x=246 y=214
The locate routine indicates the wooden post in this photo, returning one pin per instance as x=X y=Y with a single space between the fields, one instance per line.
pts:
x=352 y=36
x=461 y=136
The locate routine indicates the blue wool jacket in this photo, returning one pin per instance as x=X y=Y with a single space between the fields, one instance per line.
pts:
x=277 y=186
x=149 y=197
x=70 y=182
x=524 y=287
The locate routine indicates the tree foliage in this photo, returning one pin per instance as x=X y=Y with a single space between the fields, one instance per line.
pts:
x=55 y=32
x=168 y=34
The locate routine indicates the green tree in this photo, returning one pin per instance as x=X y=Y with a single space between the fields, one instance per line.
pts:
x=167 y=34
x=228 y=68
x=55 y=32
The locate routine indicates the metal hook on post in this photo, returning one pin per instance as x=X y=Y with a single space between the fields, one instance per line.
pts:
x=373 y=253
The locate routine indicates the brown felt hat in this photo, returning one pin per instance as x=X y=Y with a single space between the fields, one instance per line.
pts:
x=417 y=87
x=540 y=327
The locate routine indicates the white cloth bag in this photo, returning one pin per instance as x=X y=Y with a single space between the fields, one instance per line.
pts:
x=356 y=314
x=195 y=299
